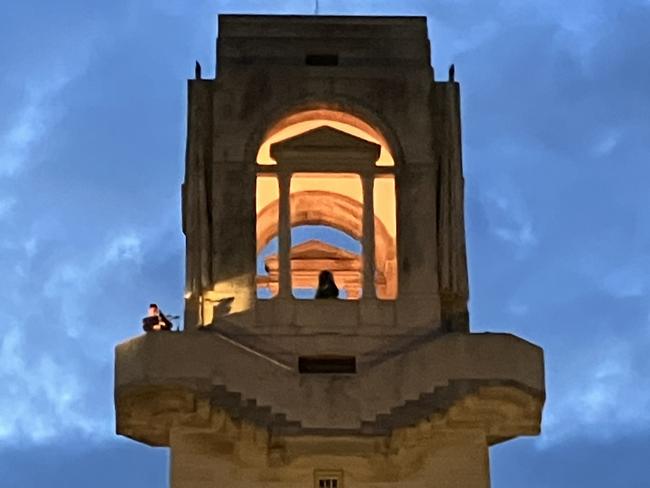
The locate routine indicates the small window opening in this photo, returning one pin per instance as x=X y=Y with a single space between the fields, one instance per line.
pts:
x=328 y=478
x=327 y=364
x=322 y=59
x=328 y=483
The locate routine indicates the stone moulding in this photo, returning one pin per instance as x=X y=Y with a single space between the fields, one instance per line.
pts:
x=490 y=382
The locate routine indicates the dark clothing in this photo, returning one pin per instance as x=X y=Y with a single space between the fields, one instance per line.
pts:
x=148 y=323
x=326 y=286
x=165 y=323
x=327 y=292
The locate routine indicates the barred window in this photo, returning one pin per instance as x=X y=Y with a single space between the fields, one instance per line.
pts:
x=328 y=478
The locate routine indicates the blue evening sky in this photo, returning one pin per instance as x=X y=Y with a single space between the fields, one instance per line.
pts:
x=556 y=123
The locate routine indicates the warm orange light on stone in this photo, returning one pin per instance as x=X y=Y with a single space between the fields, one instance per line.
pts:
x=335 y=200
x=426 y=397
x=312 y=119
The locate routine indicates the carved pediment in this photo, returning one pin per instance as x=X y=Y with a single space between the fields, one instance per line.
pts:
x=315 y=250
x=309 y=258
x=325 y=145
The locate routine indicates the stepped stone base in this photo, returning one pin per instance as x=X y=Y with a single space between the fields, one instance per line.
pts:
x=423 y=415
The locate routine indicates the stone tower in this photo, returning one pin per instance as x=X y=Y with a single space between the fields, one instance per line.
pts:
x=325 y=143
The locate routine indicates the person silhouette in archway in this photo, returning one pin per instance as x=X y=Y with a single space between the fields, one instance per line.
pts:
x=326 y=286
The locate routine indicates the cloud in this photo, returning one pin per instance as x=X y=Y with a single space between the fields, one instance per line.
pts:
x=32 y=89
x=56 y=354
x=552 y=165
x=509 y=219
x=581 y=461
x=555 y=103
x=6 y=206
x=607 y=143
x=607 y=396
x=89 y=229
x=28 y=127
x=43 y=395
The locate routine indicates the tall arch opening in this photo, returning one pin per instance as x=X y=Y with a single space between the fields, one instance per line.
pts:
x=330 y=176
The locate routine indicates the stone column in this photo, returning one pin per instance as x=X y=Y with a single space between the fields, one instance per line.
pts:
x=368 y=237
x=284 y=235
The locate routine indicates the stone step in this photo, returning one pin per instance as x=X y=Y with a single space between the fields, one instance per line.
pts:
x=247 y=409
x=409 y=414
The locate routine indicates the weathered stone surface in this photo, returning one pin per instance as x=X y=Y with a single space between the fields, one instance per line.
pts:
x=426 y=398
x=262 y=79
x=452 y=367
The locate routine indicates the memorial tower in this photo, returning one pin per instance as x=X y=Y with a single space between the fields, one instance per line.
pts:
x=326 y=144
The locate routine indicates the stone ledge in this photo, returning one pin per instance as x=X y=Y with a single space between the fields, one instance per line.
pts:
x=501 y=411
x=427 y=379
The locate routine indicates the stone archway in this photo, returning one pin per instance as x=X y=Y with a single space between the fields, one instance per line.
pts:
x=334 y=210
x=350 y=111
x=315 y=207
x=330 y=115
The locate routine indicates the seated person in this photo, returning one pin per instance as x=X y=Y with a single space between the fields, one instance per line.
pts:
x=155 y=320
x=326 y=285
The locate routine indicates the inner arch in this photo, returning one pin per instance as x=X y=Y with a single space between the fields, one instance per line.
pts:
x=333 y=209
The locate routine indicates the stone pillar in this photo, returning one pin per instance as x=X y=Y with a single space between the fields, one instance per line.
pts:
x=418 y=303
x=452 y=258
x=196 y=208
x=284 y=235
x=368 y=237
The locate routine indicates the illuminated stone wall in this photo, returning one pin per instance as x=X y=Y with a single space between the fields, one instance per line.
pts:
x=336 y=121
x=382 y=90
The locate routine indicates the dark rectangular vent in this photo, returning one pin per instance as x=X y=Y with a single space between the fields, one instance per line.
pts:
x=328 y=483
x=322 y=59
x=328 y=478
x=327 y=364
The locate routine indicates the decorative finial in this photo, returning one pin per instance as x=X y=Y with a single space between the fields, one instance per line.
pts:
x=197 y=70
x=452 y=73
